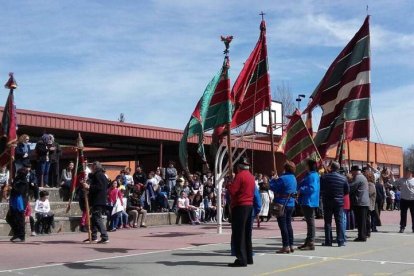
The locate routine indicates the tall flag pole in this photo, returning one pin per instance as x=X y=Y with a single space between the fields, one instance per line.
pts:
x=264 y=54
x=341 y=148
x=78 y=178
x=297 y=144
x=79 y=172
x=345 y=91
x=213 y=110
x=8 y=128
x=226 y=88
x=251 y=91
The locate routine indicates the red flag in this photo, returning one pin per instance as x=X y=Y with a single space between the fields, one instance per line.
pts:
x=8 y=125
x=251 y=91
x=79 y=174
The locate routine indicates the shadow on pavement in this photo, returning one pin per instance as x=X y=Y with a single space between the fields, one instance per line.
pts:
x=199 y=244
x=21 y=243
x=112 y=250
x=87 y=266
x=172 y=235
x=191 y=263
x=58 y=242
x=200 y=254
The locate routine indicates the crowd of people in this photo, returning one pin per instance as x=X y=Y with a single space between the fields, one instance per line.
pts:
x=25 y=181
x=355 y=199
x=128 y=197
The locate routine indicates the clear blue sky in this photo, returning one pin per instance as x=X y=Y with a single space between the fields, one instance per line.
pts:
x=151 y=60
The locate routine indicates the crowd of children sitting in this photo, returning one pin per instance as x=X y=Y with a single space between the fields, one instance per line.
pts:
x=131 y=197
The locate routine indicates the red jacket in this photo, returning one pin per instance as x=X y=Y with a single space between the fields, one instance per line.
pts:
x=242 y=189
x=113 y=194
x=347 y=203
x=28 y=211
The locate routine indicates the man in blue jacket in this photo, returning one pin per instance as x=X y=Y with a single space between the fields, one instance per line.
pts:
x=308 y=194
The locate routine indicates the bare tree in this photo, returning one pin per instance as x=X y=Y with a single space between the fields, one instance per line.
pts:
x=409 y=156
x=283 y=94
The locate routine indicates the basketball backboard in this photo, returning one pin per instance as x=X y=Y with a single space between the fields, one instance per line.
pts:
x=261 y=121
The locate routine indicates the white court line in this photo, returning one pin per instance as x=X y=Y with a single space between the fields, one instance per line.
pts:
x=125 y=256
x=95 y=260
x=310 y=257
x=395 y=234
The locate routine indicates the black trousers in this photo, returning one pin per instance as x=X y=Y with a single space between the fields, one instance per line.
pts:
x=368 y=222
x=309 y=213
x=16 y=220
x=97 y=224
x=44 y=223
x=405 y=205
x=54 y=174
x=378 y=207
x=361 y=213
x=241 y=231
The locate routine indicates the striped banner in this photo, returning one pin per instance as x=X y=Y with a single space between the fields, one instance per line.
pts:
x=220 y=109
x=344 y=91
x=297 y=144
x=251 y=91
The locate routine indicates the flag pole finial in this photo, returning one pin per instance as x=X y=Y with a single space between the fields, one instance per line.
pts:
x=11 y=83
x=226 y=40
x=79 y=142
x=262 y=24
x=262 y=14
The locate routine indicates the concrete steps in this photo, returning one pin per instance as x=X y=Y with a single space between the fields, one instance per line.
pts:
x=55 y=194
x=58 y=208
x=71 y=223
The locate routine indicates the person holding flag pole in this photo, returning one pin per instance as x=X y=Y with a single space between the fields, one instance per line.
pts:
x=77 y=182
x=95 y=196
x=8 y=135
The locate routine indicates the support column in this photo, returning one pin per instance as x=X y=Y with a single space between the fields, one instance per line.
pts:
x=161 y=154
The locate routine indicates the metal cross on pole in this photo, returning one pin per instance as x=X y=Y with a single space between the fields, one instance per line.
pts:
x=262 y=14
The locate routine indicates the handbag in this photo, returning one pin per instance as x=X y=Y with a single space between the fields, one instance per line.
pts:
x=278 y=209
x=118 y=207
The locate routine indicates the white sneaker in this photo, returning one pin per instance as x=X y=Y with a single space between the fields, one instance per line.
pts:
x=33 y=234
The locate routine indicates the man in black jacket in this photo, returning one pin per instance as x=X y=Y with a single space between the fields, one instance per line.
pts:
x=97 y=201
x=333 y=188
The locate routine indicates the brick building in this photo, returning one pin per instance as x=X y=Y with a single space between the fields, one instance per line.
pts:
x=123 y=144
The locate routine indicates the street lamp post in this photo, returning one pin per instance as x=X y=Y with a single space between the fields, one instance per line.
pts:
x=299 y=99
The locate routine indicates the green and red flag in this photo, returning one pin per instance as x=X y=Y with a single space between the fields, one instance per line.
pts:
x=8 y=125
x=196 y=124
x=213 y=110
x=344 y=91
x=219 y=111
x=79 y=173
x=251 y=91
x=297 y=144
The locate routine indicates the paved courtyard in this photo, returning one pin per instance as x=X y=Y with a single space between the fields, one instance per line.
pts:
x=198 y=250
